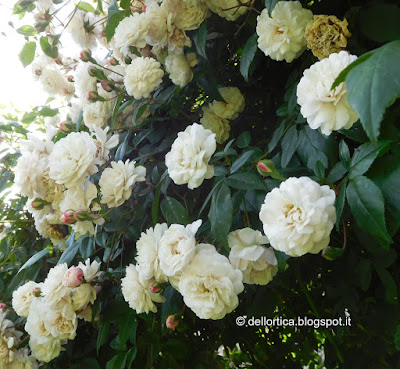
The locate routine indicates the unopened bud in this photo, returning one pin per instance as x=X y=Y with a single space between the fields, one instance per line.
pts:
x=38 y=71
x=112 y=62
x=93 y=96
x=96 y=72
x=86 y=55
x=73 y=277
x=107 y=86
x=70 y=78
x=37 y=292
x=67 y=217
x=39 y=204
x=66 y=126
x=267 y=169
x=81 y=216
x=157 y=287
x=3 y=306
x=172 y=322
x=58 y=61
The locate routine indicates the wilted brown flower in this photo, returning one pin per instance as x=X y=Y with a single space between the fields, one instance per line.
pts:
x=326 y=34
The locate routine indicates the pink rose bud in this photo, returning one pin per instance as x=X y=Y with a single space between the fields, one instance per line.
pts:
x=144 y=8
x=171 y=322
x=93 y=96
x=86 y=55
x=82 y=215
x=155 y=288
x=37 y=292
x=112 y=61
x=3 y=306
x=70 y=79
x=58 y=61
x=107 y=86
x=73 y=277
x=39 y=204
x=66 y=126
x=267 y=168
x=263 y=167
x=68 y=217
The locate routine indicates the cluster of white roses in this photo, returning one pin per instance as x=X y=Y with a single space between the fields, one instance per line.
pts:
x=52 y=308
x=12 y=357
x=55 y=177
x=282 y=36
x=208 y=281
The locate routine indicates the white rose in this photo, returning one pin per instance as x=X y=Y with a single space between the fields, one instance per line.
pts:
x=104 y=143
x=82 y=296
x=29 y=175
x=23 y=297
x=298 y=216
x=97 y=113
x=228 y=9
x=79 y=33
x=322 y=107
x=90 y=270
x=53 y=288
x=45 y=348
x=72 y=159
x=22 y=360
x=257 y=263
x=160 y=19
x=54 y=83
x=209 y=285
x=187 y=162
x=142 y=77
x=148 y=262
x=116 y=183
x=84 y=82
x=179 y=69
x=216 y=124
x=137 y=293
x=282 y=35
x=177 y=247
x=187 y=16
x=132 y=31
x=233 y=105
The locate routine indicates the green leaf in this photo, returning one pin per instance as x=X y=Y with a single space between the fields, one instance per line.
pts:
x=397 y=337
x=51 y=51
x=245 y=181
x=241 y=160
x=117 y=362
x=27 y=53
x=389 y=283
x=131 y=356
x=221 y=213
x=174 y=212
x=120 y=153
x=86 y=247
x=29 y=117
x=243 y=140
x=27 y=31
x=112 y=9
x=48 y=112
x=339 y=203
x=86 y=7
x=138 y=113
x=103 y=334
x=363 y=270
x=344 y=154
x=270 y=5
x=282 y=258
x=380 y=22
x=364 y=156
x=276 y=136
x=289 y=146
x=200 y=40
x=248 y=53
x=71 y=248
x=367 y=206
x=127 y=325
x=374 y=85
x=173 y=304
x=309 y=148
x=113 y=22
x=34 y=259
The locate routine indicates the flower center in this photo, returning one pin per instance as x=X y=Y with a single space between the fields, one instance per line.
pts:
x=293 y=213
x=327 y=95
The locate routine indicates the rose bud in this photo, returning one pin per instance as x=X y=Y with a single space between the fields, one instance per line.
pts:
x=68 y=217
x=58 y=61
x=70 y=78
x=82 y=215
x=73 y=277
x=86 y=55
x=267 y=168
x=39 y=204
x=37 y=292
x=38 y=71
x=98 y=73
x=3 y=306
x=112 y=61
x=107 y=86
x=66 y=126
x=93 y=96
x=171 y=323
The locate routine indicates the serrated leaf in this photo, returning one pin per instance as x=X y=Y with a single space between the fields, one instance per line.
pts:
x=27 y=53
x=367 y=206
x=245 y=181
x=364 y=156
x=344 y=154
x=174 y=212
x=289 y=146
x=27 y=30
x=200 y=40
x=221 y=213
x=241 y=160
x=374 y=85
x=276 y=136
x=34 y=259
x=248 y=53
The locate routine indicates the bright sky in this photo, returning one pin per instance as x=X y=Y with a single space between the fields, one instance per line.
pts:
x=17 y=84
